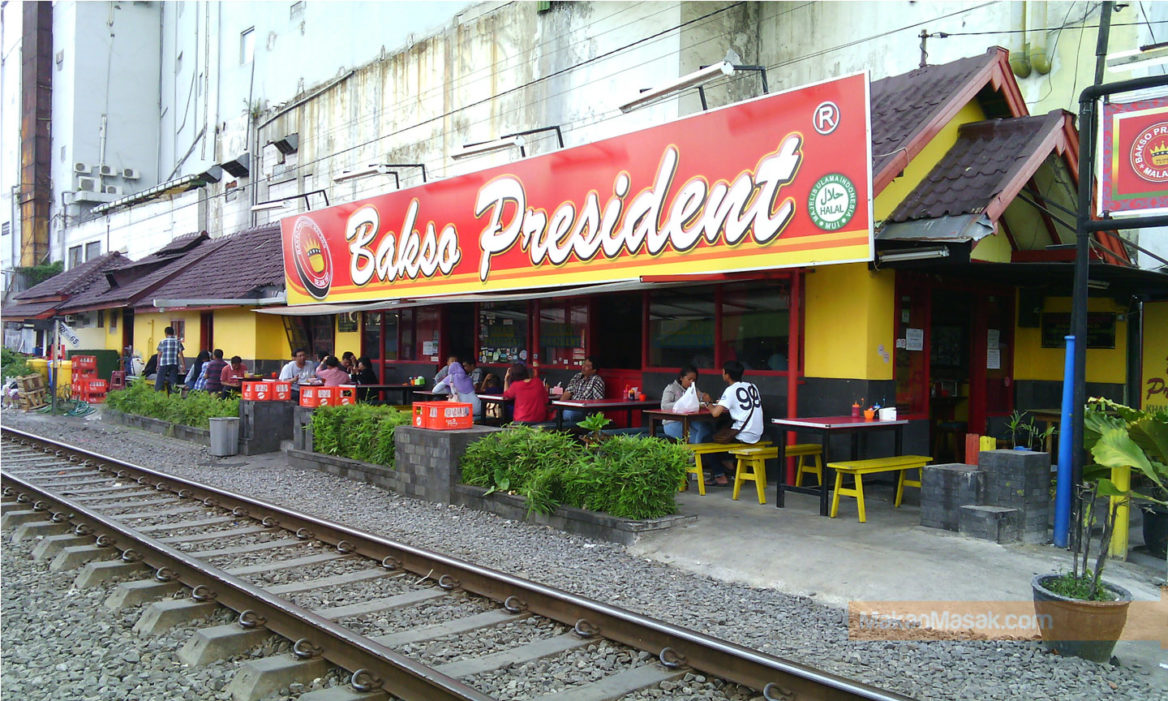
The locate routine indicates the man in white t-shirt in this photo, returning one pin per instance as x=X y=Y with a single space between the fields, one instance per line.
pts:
x=744 y=404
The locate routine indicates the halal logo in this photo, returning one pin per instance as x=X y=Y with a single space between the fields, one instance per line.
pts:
x=310 y=255
x=832 y=202
x=1149 y=153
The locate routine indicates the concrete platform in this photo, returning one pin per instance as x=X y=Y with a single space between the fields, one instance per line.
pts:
x=889 y=558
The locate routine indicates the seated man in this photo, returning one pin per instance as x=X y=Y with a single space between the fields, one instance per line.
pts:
x=231 y=376
x=743 y=403
x=584 y=385
x=209 y=380
x=299 y=372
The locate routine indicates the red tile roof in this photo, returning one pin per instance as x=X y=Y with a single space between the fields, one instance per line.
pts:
x=74 y=280
x=990 y=163
x=126 y=287
x=240 y=267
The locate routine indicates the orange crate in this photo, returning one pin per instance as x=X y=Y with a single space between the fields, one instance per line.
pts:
x=84 y=362
x=256 y=391
x=443 y=416
x=326 y=396
x=280 y=390
x=308 y=396
x=345 y=395
x=101 y=386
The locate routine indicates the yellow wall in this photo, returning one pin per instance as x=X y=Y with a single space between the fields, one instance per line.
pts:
x=920 y=166
x=235 y=332
x=1154 y=383
x=348 y=341
x=1033 y=362
x=995 y=248
x=148 y=332
x=271 y=339
x=849 y=313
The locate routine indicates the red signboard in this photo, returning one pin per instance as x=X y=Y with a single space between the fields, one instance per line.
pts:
x=1134 y=161
x=780 y=181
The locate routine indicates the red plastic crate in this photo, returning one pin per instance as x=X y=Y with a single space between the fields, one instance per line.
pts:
x=345 y=395
x=443 y=416
x=308 y=396
x=256 y=391
x=326 y=396
x=84 y=362
x=280 y=390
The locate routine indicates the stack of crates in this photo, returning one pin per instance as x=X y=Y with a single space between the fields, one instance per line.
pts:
x=86 y=386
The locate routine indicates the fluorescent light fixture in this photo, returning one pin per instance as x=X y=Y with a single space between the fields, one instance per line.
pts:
x=1098 y=284
x=490 y=147
x=914 y=254
x=699 y=77
x=371 y=169
x=1153 y=55
x=275 y=204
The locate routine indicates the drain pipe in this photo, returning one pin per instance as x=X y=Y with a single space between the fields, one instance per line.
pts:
x=1019 y=46
x=1039 y=59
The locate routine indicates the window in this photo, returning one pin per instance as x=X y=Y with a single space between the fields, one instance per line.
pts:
x=74 y=256
x=503 y=332
x=5 y=228
x=92 y=250
x=113 y=319
x=616 y=331
x=371 y=336
x=246 y=45
x=100 y=318
x=681 y=328
x=180 y=329
x=425 y=334
x=563 y=329
x=755 y=325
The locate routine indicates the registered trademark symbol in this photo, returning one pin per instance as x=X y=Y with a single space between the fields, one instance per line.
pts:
x=826 y=117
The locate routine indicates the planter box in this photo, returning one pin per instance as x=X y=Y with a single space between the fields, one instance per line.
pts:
x=165 y=428
x=425 y=471
x=263 y=425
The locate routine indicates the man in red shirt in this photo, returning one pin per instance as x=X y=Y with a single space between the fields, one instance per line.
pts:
x=231 y=376
x=530 y=395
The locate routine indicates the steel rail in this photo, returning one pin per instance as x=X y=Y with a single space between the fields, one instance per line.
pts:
x=711 y=655
x=401 y=676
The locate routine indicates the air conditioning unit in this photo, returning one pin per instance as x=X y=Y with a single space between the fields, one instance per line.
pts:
x=87 y=184
x=130 y=174
x=108 y=171
x=112 y=190
x=70 y=318
x=83 y=168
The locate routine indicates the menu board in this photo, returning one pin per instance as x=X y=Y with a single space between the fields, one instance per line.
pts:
x=1100 y=329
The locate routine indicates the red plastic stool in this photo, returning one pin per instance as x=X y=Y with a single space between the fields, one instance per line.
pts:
x=117 y=380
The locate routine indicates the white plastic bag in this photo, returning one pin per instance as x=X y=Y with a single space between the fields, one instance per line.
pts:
x=689 y=403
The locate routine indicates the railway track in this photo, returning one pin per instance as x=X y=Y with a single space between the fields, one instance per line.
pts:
x=411 y=623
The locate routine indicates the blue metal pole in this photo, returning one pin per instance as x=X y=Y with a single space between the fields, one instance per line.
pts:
x=1062 y=497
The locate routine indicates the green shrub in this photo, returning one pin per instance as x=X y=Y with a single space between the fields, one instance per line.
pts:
x=196 y=410
x=13 y=364
x=357 y=431
x=626 y=476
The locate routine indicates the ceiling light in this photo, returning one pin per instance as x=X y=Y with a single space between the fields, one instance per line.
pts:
x=491 y=146
x=914 y=254
x=699 y=77
x=1098 y=284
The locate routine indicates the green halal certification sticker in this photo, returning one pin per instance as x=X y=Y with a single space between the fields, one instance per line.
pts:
x=832 y=202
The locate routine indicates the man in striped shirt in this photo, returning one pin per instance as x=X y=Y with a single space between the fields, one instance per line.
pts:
x=170 y=361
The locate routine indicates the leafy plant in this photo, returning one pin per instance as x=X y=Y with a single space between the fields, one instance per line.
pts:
x=595 y=423
x=1116 y=436
x=1038 y=437
x=1016 y=422
x=13 y=364
x=197 y=409
x=357 y=431
x=626 y=476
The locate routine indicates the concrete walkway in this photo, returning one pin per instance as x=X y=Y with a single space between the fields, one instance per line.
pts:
x=889 y=558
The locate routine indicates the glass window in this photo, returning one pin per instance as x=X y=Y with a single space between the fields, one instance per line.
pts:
x=74 y=256
x=562 y=332
x=912 y=352
x=180 y=329
x=246 y=45
x=755 y=325
x=616 y=331
x=322 y=332
x=426 y=335
x=405 y=325
x=681 y=328
x=503 y=332
x=371 y=336
x=92 y=250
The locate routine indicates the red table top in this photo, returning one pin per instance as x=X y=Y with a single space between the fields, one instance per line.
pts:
x=606 y=403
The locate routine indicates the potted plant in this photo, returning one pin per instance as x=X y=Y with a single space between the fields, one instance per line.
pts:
x=1016 y=422
x=1082 y=614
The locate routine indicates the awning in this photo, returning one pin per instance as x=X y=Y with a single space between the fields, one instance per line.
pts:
x=538 y=293
x=947 y=229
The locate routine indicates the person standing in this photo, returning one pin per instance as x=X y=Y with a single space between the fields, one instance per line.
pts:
x=299 y=371
x=584 y=385
x=170 y=361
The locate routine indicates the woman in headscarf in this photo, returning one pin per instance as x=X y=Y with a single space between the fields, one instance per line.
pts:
x=463 y=390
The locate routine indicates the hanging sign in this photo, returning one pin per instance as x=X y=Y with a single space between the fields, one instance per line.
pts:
x=67 y=333
x=780 y=181
x=1133 y=177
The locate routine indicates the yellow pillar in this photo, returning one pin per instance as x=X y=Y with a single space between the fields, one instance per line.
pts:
x=1121 y=477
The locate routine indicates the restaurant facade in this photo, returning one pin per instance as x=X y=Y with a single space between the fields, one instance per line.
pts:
x=899 y=242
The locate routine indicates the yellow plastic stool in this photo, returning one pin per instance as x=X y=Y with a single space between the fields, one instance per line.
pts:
x=700 y=449
x=752 y=468
x=803 y=451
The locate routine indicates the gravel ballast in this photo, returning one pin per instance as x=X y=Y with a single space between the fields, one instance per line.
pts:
x=795 y=628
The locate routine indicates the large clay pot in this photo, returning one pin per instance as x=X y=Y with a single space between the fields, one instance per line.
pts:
x=1087 y=629
x=1156 y=528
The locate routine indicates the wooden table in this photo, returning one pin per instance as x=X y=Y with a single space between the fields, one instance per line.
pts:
x=405 y=388
x=655 y=415
x=589 y=405
x=826 y=427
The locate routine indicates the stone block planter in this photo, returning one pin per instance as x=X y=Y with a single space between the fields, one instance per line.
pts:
x=201 y=436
